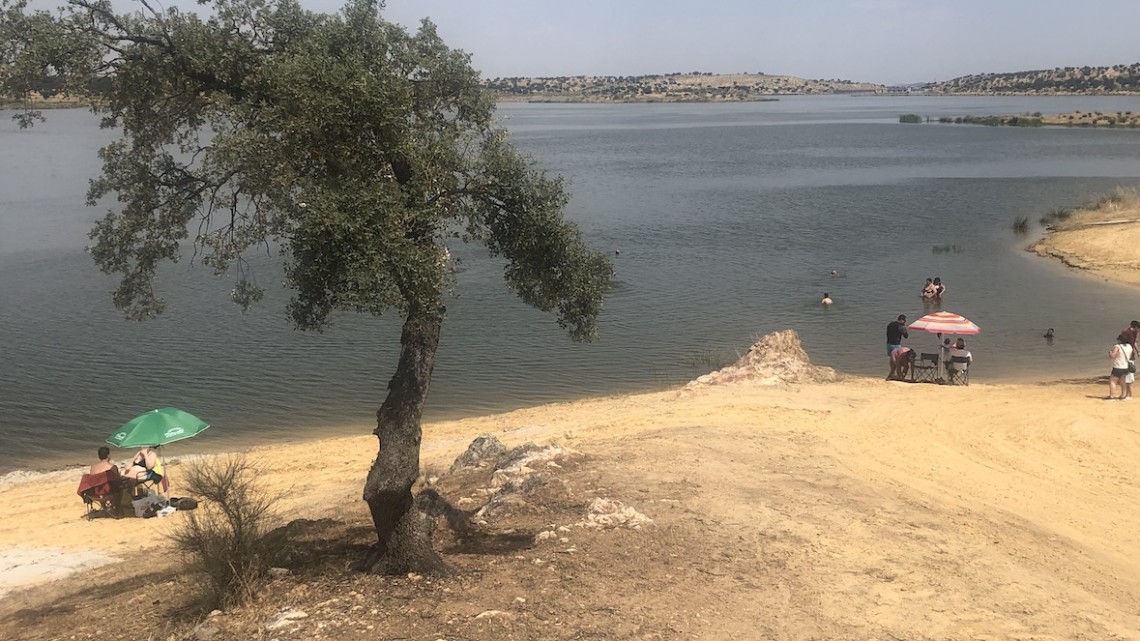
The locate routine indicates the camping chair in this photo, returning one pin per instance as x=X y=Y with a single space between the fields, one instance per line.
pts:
x=102 y=491
x=925 y=369
x=152 y=483
x=958 y=372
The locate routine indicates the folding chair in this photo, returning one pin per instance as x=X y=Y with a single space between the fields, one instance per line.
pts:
x=102 y=491
x=958 y=373
x=925 y=369
x=152 y=483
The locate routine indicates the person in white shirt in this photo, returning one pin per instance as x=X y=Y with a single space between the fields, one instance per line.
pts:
x=959 y=349
x=1121 y=354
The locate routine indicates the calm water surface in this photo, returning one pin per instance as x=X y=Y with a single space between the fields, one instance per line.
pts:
x=728 y=219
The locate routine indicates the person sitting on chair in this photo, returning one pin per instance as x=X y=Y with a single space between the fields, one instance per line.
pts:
x=960 y=350
x=115 y=483
x=104 y=464
x=145 y=466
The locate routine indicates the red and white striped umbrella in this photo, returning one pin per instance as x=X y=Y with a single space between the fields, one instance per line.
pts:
x=945 y=323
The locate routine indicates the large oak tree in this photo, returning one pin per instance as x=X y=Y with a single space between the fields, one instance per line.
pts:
x=356 y=149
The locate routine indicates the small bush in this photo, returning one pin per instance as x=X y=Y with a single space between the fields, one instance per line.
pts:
x=910 y=118
x=708 y=360
x=1118 y=196
x=1021 y=224
x=228 y=539
x=1056 y=215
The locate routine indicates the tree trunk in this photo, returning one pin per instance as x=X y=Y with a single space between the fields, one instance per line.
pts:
x=403 y=532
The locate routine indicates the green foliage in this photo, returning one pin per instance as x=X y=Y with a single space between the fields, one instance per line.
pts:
x=1056 y=215
x=229 y=540
x=910 y=118
x=1059 y=80
x=1118 y=196
x=995 y=121
x=946 y=249
x=353 y=147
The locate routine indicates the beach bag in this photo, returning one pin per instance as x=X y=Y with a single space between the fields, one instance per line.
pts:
x=141 y=505
x=184 y=503
x=1131 y=360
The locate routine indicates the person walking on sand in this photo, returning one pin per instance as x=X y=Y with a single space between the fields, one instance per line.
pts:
x=1121 y=355
x=896 y=331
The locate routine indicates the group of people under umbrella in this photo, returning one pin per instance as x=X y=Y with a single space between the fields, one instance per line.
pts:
x=105 y=485
x=952 y=361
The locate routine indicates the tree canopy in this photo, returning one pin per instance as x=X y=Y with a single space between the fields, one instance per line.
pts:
x=354 y=148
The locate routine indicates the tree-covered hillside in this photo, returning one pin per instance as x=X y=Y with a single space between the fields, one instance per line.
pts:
x=1059 y=80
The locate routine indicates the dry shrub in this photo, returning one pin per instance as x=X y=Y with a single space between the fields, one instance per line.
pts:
x=229 y=539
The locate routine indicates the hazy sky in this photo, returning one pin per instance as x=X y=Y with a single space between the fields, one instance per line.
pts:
x=889 y=41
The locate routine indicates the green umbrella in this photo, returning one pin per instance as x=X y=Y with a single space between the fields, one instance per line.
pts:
x=157 y=427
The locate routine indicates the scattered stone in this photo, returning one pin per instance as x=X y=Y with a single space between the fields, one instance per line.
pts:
x=285 y=618
x=279 y=572
x=484 y=451
x=608 y=514
x=542 y=536
x=519 y=599
x=494 y=614
x=204 y=631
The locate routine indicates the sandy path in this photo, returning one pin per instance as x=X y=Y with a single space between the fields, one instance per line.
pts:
x=862 y=509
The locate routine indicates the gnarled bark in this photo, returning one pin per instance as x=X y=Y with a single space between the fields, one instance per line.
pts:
x=404 y=532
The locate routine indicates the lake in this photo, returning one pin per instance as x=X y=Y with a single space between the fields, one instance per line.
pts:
x=724 y=222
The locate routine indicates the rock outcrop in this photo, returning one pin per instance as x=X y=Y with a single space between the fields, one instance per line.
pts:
x=776 y=359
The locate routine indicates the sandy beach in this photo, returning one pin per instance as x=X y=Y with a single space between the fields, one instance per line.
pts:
x=1102 y=239
x=852 y=509
x=781 y=501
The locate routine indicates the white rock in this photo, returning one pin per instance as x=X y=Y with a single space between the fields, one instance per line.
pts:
x=608 y=513
x=493 y=614
x=278 y=572
x=285 y=618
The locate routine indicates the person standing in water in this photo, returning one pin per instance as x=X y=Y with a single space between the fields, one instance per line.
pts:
x=826 y=299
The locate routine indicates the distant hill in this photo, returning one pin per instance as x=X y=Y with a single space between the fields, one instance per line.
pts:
x=672 y=87
x=1117 y=79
